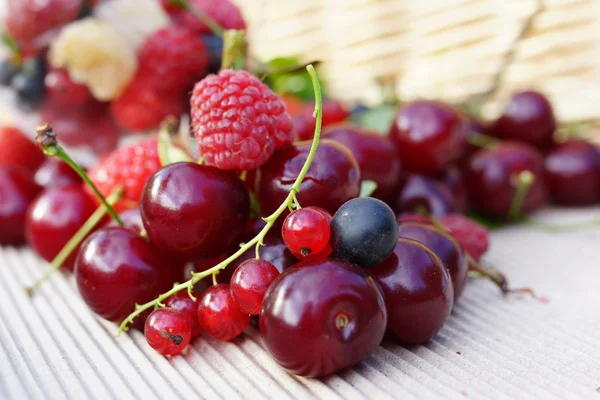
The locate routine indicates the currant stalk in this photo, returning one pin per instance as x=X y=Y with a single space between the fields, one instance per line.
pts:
x=258 y=239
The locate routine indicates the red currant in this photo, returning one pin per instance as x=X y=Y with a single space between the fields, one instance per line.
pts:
x=188 y=307
x=306 y=231
x=167 y=331
x=250 y=282
x=219 y=314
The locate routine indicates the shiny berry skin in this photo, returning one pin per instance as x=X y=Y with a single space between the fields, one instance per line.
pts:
x=332 y=179
x=208 y=208
x=363 y=231
x=306 y=231
x=167 y=331
x=573 y=173
x=492 y=178
x=445 y=247
x=473 y=238
x=224 y=12
x=54 y=173
x=304 y=122
x=54 y=217
x=322 y=316
x=238 y=121
x=219 y=315
x=250 y=282
x=17 y=191
x=421 y=192
x=184 y=304
x=429 y=136
x=376 y=155
x=19 y=150
x=528 y=118
x=117 y=269
x=418 y=292
x=63 y=92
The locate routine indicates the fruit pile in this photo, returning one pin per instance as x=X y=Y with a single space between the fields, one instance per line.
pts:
x=326 y=241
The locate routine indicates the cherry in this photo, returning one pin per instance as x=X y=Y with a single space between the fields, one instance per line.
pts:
x=188 y=307
x=422 y=193
x=54 y=217
x=332 y=179
x=250 y=282
x=494 y=175
x=528 y=118
x=132 y=220
x=54 y=172
x=573 y=173
x=117 y=269
x=453 y=180
x=304 y=121
x=63 y=92
x=306 y=231
x=429 y=136
x=219 y=315
x=321 y=316
x=364 y=231
x=193 y=211
x=167 y=331
x=418 y=292
x=445 y=247
x=17 y=191
x=376 y=155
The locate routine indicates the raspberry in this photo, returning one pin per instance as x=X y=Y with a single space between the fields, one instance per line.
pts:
x=28 y=21
x=238 y=121
x=304 y=122
x=94 y=55
x=17 y=149
x=173 y=59
x=473 y=237
x=224 y=12
x=129 y=166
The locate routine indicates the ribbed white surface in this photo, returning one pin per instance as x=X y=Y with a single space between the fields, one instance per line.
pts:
x=52 y=346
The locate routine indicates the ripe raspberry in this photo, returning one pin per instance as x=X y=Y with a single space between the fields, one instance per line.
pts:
x=304 y=122
x=238 y=121
x=224 y=12
x=173 y=59
x=28 y=21
x=63 y=92
x=94 y=55
x=17 y=149
x=473 y=237
x=129 y=166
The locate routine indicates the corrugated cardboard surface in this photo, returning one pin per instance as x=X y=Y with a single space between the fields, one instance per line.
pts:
x=52 y=346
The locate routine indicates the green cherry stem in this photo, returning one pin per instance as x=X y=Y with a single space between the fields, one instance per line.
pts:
x=524 y=180
x=77 y=238
x=270 y=220
x=207 y=20
x=46 y=138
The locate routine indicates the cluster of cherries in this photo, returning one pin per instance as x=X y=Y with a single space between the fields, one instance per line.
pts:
x=332 y=277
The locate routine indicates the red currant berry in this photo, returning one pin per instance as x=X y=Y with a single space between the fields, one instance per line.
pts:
x=188 y=307
x=17 y=191
x=320 y=256
x=167 y=331
x=306 y=231
x=219 y=314
x=250 y=282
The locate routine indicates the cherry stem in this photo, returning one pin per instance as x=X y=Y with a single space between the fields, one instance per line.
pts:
x=46 y=138
x=270 y=220
x=234 y=46
x=207 y=20
x=214 y=278
x=524 y=181
x=484 y=141
x=77 y=238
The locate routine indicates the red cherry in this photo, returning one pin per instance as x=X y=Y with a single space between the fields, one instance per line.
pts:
x=188 y=307
x=306 y=231
x=219 y=314
x=63 y=92
x=250 y=282
x=167 y=331
x=423 y=193
x=55 y=172
x=17 y=191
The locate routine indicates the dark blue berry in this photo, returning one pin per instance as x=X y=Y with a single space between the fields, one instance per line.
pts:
x=28 y=84
x=214 y=46
x=8 y=70
x=363 y=231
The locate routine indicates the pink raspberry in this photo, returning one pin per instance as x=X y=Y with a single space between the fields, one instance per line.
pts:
x=473 y=237
x=238 y=121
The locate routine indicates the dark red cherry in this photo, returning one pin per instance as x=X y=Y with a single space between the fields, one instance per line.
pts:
x=192 y=211
x=528 y=118
x=219 y=315
x=17 y=191
x=117 y=269
x=422 y=193
x=444 y=246
x=55 y=172
x=167 y=331
x=573 y=173
x=188 y=307
x=493 y=176
x=376 y=155
x=418 y=292
x=54 y=217
x=429 y=135
x=332 y=179
x=250 y=282
x=304 y=121
x=455 y=182
x=322 y=316
x=306 y=231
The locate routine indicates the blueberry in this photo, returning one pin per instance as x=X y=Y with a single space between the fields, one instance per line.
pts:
x=364 y=231
x=214 y=46
x=8 y=70
x=28 y=84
